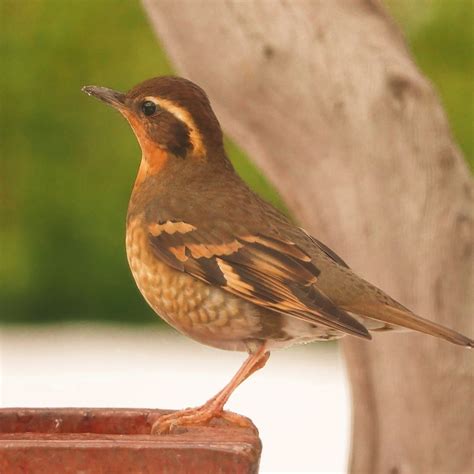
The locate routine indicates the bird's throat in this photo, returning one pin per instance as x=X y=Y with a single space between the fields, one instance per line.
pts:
x=152 y=163
x=154 y=158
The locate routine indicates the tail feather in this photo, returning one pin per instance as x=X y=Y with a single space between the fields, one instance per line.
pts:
x=407 y=319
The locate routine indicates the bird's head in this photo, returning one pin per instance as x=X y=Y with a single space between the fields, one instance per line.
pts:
x=171 y=117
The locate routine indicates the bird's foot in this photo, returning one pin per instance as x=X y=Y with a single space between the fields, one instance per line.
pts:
x=208 y=414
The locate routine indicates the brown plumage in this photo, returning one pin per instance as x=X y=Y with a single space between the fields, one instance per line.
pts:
x=220 y=264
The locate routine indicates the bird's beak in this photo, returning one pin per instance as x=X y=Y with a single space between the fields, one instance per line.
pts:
x=109 y=96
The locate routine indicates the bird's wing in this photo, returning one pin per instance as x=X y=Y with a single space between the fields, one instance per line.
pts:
x=267 y=271
x=330 y=253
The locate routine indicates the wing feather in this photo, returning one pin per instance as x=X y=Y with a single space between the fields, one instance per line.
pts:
x=267 y=271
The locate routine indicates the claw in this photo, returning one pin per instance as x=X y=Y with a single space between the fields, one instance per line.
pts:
x=202 y=416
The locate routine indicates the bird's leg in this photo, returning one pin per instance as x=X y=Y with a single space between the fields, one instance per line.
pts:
x=213 y=408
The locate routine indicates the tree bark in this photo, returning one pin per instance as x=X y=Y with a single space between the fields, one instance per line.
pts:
x=327 y=100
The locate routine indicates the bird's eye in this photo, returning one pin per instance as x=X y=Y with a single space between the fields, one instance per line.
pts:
x=148 y=107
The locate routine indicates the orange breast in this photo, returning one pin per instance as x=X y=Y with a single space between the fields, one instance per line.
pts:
x=152 y=163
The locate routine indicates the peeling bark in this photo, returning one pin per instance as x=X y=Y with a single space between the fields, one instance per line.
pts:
x=327 y=100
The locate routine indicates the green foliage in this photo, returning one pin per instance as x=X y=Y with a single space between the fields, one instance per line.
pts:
x=68 y=162
x=440 y=34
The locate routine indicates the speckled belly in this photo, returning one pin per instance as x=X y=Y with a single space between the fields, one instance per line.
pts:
x=205 y=313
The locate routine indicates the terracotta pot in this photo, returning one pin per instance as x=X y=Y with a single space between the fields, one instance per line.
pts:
x=103 y=441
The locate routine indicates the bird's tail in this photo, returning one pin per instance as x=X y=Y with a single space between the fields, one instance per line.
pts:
x=406 y=319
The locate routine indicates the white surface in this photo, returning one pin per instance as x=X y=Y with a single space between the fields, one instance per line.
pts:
x=299 y=401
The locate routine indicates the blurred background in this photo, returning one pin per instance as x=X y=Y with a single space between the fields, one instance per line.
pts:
x=68 y=165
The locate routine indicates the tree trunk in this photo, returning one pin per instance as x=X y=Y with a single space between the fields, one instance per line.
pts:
x=325 y=97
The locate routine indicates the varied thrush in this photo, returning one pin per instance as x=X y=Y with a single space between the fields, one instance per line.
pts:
x=220 y=264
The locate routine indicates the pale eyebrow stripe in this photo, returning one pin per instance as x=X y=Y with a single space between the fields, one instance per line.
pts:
x=182 y=114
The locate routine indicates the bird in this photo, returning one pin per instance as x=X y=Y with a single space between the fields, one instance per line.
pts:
x=220 y=264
